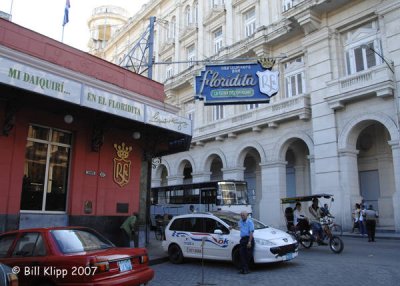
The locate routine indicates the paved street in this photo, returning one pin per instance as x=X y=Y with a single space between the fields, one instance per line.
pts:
x=361 y=263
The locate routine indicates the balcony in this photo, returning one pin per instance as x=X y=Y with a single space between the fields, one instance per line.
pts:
x=188 y=32
x=268 y=115
x=377 y=81
x=307 y=13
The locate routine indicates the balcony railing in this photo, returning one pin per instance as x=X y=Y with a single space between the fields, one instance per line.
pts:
x=268 y=115
x=377 y=81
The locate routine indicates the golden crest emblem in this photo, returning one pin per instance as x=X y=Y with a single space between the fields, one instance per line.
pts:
x=122 y=166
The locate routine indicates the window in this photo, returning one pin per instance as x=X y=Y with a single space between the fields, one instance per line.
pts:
x=191 y=55
x=218 y=38
x=44 y=185
x=188 y=16
x=172 y=29
x=195 y=12
x=5 y=243
x=169 y=71
x=216 y=3
x=294 y=77
x=359 y=44
x=30 y=244
x=287 y=4
x=250 y=22
x=218 y=112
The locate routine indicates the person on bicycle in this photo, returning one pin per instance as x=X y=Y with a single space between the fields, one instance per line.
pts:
x=316 y=213
x=300 y=220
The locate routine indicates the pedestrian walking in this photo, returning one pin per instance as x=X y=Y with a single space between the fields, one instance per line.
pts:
x=246 y=226
x=370 y=221
x=355 y=217
x=361 y=222
x=128 y=229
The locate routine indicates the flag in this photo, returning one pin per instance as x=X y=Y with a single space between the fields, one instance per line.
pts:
x=66 y=11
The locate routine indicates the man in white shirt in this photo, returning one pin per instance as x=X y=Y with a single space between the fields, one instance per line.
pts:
x=300 y=220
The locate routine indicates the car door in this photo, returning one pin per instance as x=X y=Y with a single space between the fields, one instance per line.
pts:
x=216 y=245
x=29 y=254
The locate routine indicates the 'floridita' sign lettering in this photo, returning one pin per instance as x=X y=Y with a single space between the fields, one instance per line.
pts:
x=237 y=83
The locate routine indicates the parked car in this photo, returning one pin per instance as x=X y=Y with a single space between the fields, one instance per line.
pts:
x=7 y=277
x=216 y=236
x=72 y=255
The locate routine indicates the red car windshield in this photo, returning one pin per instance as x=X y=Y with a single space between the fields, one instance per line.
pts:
x=78 y=240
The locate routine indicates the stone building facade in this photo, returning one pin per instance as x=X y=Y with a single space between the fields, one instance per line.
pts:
x=332 y=128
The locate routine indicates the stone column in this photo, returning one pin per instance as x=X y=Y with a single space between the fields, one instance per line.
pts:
x=396 y=195
x=201 y=177
x=349 y=187
x=273 y=177
x=175 y=180
x=233 y=173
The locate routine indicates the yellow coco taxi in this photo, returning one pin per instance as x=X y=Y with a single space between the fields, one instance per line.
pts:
x=216 y=236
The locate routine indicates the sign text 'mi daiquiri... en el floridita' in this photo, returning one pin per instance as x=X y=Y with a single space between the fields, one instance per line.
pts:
x=43 y=82
x=237 y=83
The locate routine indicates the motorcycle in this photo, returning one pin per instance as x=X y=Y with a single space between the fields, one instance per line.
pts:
x=304 y=235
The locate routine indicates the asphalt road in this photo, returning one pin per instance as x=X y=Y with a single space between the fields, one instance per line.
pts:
x=361 y=263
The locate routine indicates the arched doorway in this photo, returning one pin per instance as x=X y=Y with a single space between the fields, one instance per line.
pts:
x=298 y=175
x=216 y=168
x=375 y=171
x=252 y=175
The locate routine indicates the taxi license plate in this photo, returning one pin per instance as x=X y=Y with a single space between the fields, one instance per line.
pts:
x=289 y=256
x=124 y=265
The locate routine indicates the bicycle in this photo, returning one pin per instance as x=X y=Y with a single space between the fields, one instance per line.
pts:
x=159 y=230
x=336 y=228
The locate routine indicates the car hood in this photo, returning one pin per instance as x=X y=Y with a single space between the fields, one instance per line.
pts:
x=274 y=235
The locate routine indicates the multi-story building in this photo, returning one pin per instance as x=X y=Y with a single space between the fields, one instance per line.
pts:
x=332 y=128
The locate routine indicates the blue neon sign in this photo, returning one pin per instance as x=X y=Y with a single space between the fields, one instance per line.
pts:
x=236 y=84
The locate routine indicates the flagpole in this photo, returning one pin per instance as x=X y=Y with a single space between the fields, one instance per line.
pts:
x=62 y=35
x=11 y=6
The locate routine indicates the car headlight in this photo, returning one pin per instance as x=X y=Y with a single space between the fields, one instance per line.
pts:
x=263 y=242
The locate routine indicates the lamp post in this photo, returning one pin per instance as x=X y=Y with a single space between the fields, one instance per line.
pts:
x=390 y=66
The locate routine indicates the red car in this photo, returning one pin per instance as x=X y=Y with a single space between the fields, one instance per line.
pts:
x=72 y=256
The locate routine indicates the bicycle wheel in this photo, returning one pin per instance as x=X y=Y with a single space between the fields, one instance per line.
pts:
x=337 y=229
x=158 y=233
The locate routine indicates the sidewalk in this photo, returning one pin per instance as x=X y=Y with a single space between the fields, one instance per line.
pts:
x=155 y=250
x=157 y=255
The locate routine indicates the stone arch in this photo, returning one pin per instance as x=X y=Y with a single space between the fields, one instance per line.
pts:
x=286 y=140
x=157 y=172
x=181 y=164
x=209 y=157
x=348 y=136
x=243 y=153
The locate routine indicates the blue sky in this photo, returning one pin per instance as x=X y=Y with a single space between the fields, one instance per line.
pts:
x=46 y=16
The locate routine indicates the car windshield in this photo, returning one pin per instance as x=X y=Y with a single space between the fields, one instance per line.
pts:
x=232 y=219
x=79 y=240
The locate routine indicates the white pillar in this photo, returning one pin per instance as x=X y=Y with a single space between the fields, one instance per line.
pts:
x=236 y=173
x=201 y=177
x=273 y=177
x=175 y=180
x=349 y=187
x=396 y=170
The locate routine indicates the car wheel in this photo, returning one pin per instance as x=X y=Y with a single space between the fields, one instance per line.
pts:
x=236 y=257
x=175 y=254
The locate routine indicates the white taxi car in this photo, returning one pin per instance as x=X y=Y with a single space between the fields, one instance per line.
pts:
x=216 y=236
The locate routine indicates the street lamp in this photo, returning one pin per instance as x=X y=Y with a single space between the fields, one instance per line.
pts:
x=390 y=66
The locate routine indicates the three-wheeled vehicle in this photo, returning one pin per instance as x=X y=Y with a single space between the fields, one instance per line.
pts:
x=304 y=235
